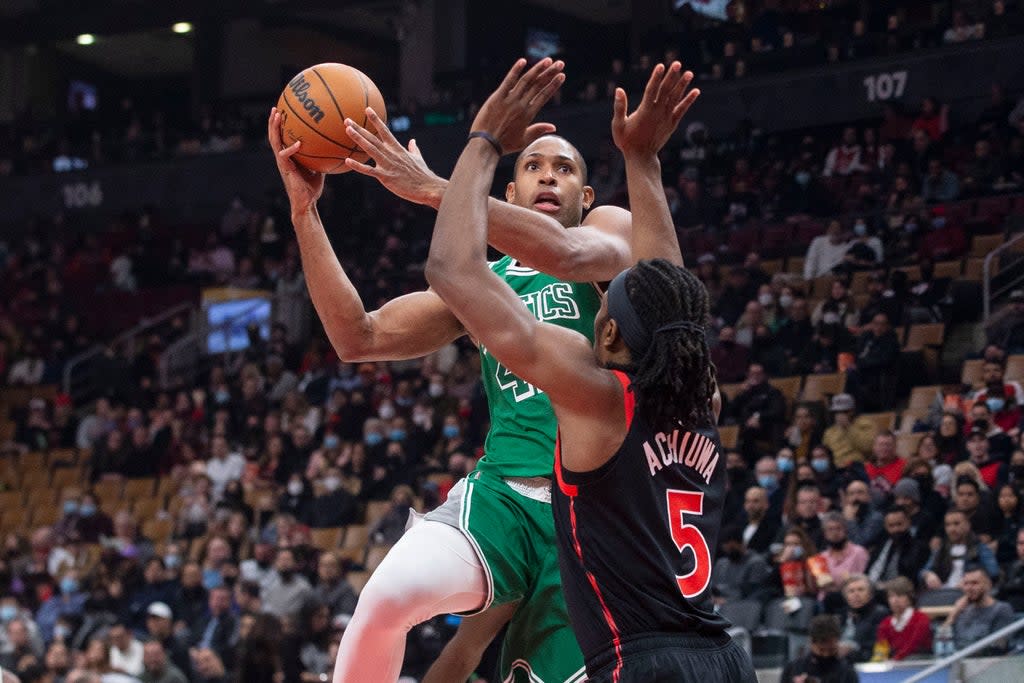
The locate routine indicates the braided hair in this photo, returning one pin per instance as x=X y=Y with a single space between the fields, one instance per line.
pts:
x=673 y=379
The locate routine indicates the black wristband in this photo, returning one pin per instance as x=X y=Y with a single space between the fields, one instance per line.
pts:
x=483 y=134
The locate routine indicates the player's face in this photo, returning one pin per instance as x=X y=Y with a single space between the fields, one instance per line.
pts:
x=548 y=178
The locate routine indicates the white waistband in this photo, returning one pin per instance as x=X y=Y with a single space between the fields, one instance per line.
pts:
x=535 y=488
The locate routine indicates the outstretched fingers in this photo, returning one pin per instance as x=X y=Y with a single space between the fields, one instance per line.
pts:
x=620 y=105
x=680 y=109
x=363 y=138
x=365 y=169
x=383 y=132
x=513 y=76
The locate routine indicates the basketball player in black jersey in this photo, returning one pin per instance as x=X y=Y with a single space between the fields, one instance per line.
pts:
x=638 y=502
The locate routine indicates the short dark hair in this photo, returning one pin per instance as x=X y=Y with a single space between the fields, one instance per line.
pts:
x=969 y=481
x=823 y=628
x=898 y=510
x=580 y=161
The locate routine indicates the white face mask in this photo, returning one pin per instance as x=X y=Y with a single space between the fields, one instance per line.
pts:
x=436 y=390
x=294 y=488
x=332 y=483
x=785 y=301
x=765 y=299
x=387 y=411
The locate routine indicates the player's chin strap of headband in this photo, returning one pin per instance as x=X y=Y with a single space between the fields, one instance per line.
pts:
x=633 y=331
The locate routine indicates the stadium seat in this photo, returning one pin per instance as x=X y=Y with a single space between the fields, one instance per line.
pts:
x=109 y=490
x=7 y=430
x=729 y=436
x=939 y=597
x=375 y=556
x=821 y=387
x=139 y=488
x=730 y=391
x=356 y=536
x=146 y=508
x=743 y=613
x=157 y=530
x=883 y=421
x=950 y=269
x=358 y=580
x=994 y=209
x=970 y=374
x=922 y=398
x=45 y=515
x=1015 y=367
x=327 y=539
x=981 y=245
x=33 y=460
x=375 y=509
x=974 y=268
x=795 y=264
x=906 y=444
x=36 y=479
x=789 y=386
x=11 y=500
x=924 y=335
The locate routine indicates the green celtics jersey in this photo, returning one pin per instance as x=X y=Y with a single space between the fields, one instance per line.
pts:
x=521 y=441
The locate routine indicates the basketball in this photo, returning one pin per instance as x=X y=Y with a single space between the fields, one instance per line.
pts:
x=313 y=108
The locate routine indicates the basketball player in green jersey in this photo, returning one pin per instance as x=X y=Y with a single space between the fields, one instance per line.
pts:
x=492 y=544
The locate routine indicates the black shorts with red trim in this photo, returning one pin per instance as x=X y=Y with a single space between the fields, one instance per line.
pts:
x=672 y=658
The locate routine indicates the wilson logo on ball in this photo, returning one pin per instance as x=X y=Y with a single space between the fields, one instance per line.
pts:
x=299 y=87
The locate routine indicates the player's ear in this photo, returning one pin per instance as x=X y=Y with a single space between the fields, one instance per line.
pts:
x=510 y=192
x=588 y=197
x=611 y=339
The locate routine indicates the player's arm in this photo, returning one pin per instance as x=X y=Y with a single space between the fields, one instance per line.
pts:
x=640 y=136
x=558 y=361
x=407 y=327
x=597 y=250
x=461 y=656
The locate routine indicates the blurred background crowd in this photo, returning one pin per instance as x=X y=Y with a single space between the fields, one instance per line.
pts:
x=217 y=525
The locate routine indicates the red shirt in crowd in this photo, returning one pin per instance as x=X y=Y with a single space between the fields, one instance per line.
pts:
x=914 y=638
x=892 y=472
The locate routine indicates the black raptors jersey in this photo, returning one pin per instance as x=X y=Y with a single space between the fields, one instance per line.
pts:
x=636 y=537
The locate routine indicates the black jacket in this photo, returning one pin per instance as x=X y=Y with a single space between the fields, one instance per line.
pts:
x=832 y=670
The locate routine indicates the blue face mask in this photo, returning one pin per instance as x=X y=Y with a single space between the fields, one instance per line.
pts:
x=8 y=612
x=373 y=439
x=785 y=464
x=819 y=465
x=859 y=229
x=939 y=222
x=798 y=552
x=87 y=510
x=172 y=561
x=450 y=431
x=768 y=481
x=802 y=177
x=212 y=579
x=68 y=585
x=70 y=507
x=995 y=404
x=397 y=435
x=331 y=441
x=222 y=396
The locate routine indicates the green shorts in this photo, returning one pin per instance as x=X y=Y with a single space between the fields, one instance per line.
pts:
x=514 y=535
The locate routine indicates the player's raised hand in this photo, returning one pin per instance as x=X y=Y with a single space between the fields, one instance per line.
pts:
x=303 y=186
x=401 y=170
x=509 y=111
x=665 y=101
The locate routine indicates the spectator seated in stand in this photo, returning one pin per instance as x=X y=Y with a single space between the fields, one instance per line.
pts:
x=759 y=409
x=906 y=632
x=823 y=662
x=875 y=365
x=976 y=613
x=1005 y=328
x=859 y=619
x=957 y=551
x=740 y=574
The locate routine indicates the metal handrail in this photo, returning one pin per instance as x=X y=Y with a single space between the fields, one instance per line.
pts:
x=130 y=333
x=1004 y=632
x=986 y=277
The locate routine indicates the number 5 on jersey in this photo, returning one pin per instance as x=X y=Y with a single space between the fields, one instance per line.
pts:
x=681 y=503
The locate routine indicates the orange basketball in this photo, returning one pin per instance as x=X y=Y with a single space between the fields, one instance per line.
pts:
x=313 y=108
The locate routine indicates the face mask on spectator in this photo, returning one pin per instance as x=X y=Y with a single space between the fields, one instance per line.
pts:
x=830 y=318
x=397 y=435
x=332 y=483
x=785 y=301
x=798 y=552
x=819 y=465
x=910 y=226
x=768 y=481
x=859 y=229
x=802 y=177
x=331 y=441
x=373 y=439
x=450 y=431
x=87 y=510
x=68 y=585
x=294 y=488
x=995 y=404
x=939 y=222
x=222 y=396
x=784 y=464
x=172 y=561
x=765 y=299
x=8 y=612
x=61 y=632
x=436 y=390
x=386 y=412
x=70 y=507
